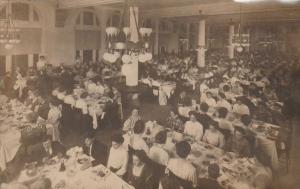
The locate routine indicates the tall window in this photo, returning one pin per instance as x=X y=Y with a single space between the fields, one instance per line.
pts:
x=2 y=13
x=87 y=56
x=24 y=14
x=87 y=36
x=2 y=65
x=87 y=18
x=21 y=61
x=20 y=11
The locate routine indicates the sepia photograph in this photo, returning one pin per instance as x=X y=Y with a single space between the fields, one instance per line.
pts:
x=149 y=94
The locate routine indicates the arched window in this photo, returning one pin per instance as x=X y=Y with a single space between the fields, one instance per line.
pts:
x=87 y=18
x=87 y=36
x=114 y=20
x=27 y=19
x=20 y=12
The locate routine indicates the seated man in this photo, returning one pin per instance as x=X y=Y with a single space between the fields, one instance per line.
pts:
x=118 y=156
x=181 y=168
x=211 y=182
x=203 y=117
x=136 y=141
x=183 y=100
x=239 y=143
x=157 y=152
x=174 y=122
x=96 y=150
x=45 y=150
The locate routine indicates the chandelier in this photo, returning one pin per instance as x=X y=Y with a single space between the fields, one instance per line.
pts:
x=119 y=44
x=241 y=40
x=9 y=34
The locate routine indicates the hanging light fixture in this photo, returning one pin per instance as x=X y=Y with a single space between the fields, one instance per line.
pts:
x=119 y=45
x=241 y=40
x=9 y=34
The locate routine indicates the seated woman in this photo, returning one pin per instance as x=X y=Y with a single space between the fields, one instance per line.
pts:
x=213 y=136
x=157 y=153
x=211 y=182
x=222 y=102
x=239 y=108
x=53 y=121
x=208 y=99
x=193 y=127
x=225 y=126
x=118 y=156
x=174 y=122
x=139 y=173
x=130 y=122
x=181 y=167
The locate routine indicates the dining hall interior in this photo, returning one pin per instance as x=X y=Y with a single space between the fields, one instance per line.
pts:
x=149 y=94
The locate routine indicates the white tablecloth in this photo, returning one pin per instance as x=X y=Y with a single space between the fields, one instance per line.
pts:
x=9 y=145
x=86 y=179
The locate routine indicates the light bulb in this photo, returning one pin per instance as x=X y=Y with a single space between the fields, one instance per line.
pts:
x=8 y=46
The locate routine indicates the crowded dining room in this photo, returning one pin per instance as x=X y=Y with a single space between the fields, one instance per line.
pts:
x=149 y=94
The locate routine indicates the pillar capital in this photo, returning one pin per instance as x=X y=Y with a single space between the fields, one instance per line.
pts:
x=202 y=16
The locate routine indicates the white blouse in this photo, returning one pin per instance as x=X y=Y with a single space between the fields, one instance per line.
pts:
x=81 y=104
x=69 y=100
x=214 y=138
x=158 y=155
x=225 y=104
x=136 y=142
x=183 y=169
x=118 y=159
x=194 y=129
x=241 y=109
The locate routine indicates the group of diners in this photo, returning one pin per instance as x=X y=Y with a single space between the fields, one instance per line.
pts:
x=219 y=113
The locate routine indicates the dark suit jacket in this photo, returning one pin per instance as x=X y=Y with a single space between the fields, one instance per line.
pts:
x=99 y=152
x=37 y=152
x=104 y=122
x=204 y=119
x=44 y=110
x=208 y=184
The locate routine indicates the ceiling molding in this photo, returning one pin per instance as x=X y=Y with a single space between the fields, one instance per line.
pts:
x=218 y=9
x=65 y=4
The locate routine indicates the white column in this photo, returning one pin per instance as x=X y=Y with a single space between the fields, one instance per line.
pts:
x=81 y=55
x=230 y=45
x=103 y=15
x=201 y=43
x=8 y=63
x=30 y=60
x=134 y=20
x=132 y=76
x=156 y=43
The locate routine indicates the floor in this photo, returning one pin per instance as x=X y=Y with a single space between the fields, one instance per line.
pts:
x=152 y=111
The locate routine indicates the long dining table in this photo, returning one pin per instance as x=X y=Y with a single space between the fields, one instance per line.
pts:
x=71 y=175
x=236 y=172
